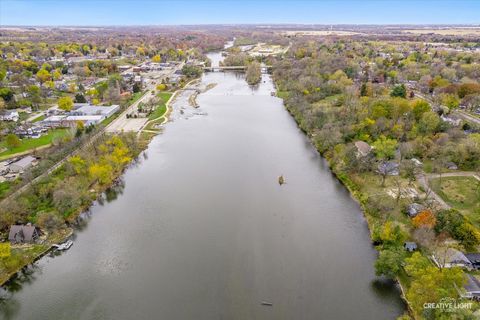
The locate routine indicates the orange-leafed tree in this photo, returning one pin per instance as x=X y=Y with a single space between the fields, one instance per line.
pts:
x=425 y=219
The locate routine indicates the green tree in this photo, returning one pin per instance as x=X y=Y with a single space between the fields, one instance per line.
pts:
x=389 y=262
x=385 y=148
x=399 y=91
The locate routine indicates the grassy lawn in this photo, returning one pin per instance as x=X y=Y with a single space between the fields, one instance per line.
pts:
x=28 y=144
x=162 y=108
x=4 y=187
x=39 y=118
x=462 y=193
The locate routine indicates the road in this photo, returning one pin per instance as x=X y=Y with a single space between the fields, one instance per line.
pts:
x=466 y=116
x=124 y=124
x=459 y=113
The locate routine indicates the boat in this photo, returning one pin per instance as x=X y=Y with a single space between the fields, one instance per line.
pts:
x=281 y=180
x=64 y=246
x=266 y=303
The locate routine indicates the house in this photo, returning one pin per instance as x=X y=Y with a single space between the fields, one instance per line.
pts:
x=9 y=115
x=389 y=168
x=450 y=257
x=363 y=149
x=22 y=164
x=451 y=166
x=414 y=208
x=410 y=246
x=472 y=288
x=474 y=259
x=23 y=233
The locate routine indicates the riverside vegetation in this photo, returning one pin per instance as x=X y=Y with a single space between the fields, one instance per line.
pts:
x=54 y=202
x=341 y=92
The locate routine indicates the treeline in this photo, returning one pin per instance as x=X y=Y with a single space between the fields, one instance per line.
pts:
x=57 y=198
x=344 y=92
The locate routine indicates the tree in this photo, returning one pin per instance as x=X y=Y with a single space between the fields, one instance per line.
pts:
x=12 y=141
x=65 y=103
x=399 y=91
x=429 y=283
x=389 y=262
x=43 y=75
x=385 y=148
x=100 y=172
x=419 y=107
x=424 y=219
x=429 y=122
x=156 y=58
x=253 y=73
x=80 y=98
x=161 y=87
x=49 y=221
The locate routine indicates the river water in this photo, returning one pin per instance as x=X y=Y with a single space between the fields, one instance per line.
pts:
x=201 y=229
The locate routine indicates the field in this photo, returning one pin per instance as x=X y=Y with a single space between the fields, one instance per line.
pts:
x=28 y=144
x=447 y=32
x=462 y=193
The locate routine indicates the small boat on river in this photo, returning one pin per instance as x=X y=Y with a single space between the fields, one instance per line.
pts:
x=266 y=303
x=64 y=246
x=281 y=180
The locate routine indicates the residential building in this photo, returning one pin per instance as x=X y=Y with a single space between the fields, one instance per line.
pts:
x=23 y=233
x=22 y=164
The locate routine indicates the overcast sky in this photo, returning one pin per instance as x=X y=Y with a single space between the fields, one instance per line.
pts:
x=151 y=12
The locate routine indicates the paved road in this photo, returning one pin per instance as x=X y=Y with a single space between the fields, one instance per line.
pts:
x=459 y=113
x=466 y=116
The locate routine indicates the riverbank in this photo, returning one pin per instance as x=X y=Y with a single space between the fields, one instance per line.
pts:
x=355 y=192
x=64 y=234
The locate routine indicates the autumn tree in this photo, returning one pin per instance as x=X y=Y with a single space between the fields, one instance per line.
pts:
x=425 y=219
x=12 y=141
x=65 y=103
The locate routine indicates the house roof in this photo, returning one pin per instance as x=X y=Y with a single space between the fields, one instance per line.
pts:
x=453 y=256
x=473 y=285
x=363 y=147
x=410 y=245
x=473 y=257
x=24 y=162
x=414 y=208
x=26 y=231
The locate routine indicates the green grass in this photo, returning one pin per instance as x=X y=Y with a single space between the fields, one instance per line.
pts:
x=162 y=108
x=462 y=193
x=4 y=187
x=39 y=118
x=28 y=144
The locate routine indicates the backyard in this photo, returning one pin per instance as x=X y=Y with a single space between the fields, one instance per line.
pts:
x=31 y=143
x=462 y=193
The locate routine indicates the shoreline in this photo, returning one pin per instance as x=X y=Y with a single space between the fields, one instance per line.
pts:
x=356 y=195
x=71 y=221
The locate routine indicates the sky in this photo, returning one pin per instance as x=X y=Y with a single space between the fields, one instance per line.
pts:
x=160 y=12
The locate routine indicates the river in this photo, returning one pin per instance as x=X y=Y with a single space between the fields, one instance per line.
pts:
x=201 y=229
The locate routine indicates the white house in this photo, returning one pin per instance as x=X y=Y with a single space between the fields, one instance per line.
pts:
x=9 y=115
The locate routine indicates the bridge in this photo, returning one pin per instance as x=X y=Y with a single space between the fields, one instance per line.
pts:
x=265 y=69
